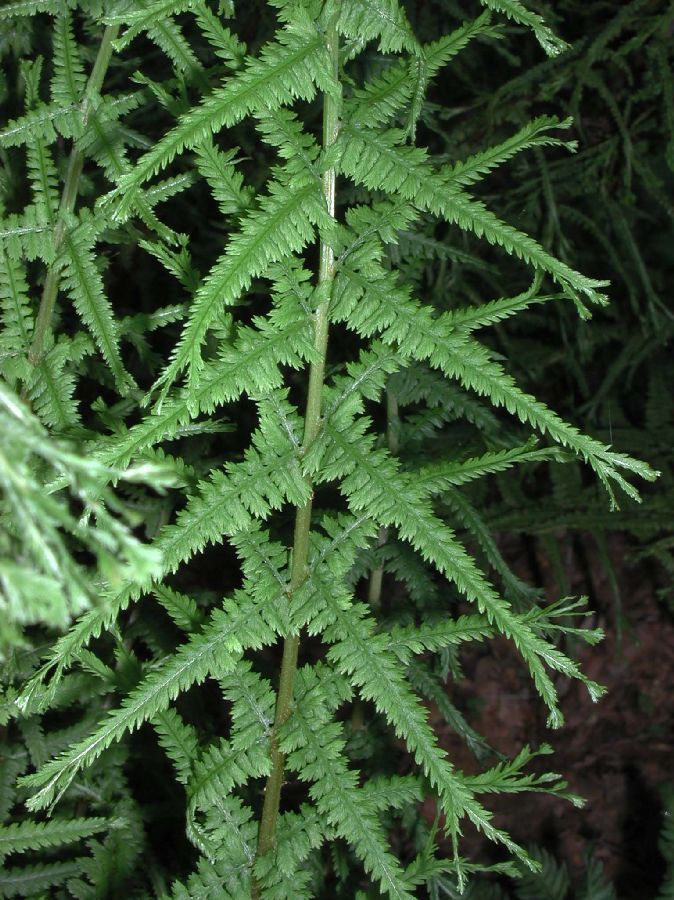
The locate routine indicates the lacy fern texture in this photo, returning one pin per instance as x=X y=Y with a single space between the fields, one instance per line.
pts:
x=279 y=472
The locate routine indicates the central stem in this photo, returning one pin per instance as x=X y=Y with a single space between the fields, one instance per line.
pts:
x=312 y=421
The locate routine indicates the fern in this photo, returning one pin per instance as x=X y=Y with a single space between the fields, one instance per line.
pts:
x=278 y=413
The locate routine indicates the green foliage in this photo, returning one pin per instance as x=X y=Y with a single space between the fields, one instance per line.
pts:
x=302 y=425
x=40 y=578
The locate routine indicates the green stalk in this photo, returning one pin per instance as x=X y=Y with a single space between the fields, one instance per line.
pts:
x=69 y=197
x=312 y=421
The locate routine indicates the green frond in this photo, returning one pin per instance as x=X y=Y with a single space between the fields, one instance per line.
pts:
x=21 y=836
x=383 y=96
x=68 y=81
x=17 y=8
x=383 y=20
x=45 y=123
x=212 y=651
x=280 y=128
x=332 y=455
x=223 y=42
x=440 y=52
x=182 y=609
x=535 y=133
x=314 y=749
x=225 y=182
x=283 y=224
x=287 y=871
x=251 y=366
x=218 y=822
x=179 y=741
x=361 y=656
x=370 y=480
x=206 y=883
x=405 y=640
x=51 y=385
x=291 y=67
x=507 y=777
x=435 y=56
x=84 y=284
x=222 y=506
x=44 y=180
x=27 y=237
x=252 y=710
x=376 y=160
x=146 y=18
x=168 y=36
x=472 y=364
x=226 y=502
x=518 y=12
x=17 y=317
x=493 y=311
x=436 y=477
x=33 y=881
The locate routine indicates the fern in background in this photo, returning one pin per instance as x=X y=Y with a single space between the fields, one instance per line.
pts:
x=608 y=202
x=328 y=421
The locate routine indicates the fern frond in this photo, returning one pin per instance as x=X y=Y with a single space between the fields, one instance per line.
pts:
x=252 y=700
x=207 y=883
x=17 y=8
x=27 y=237
x=433 y=57
x=51 y=386
x=473 y=366
x=376 y=160
x=361 y=656
x=384 y=20
x=535 y=133
x=17 y=317
x=68 y=81
x=405 y=640
x=436 y=477
x=228 y=833
x=21 y=836
x=314 y=749
x=44 y=122
x=179 y=741
x=518 y=12
x=144 y=19
x=288 y=870
x=33 y=881
x=212 y=651
x=283 y=225
x=224 y=43
x=372 y=482
x=182 y=609
x=291 y=67
x=156 y=18
x=225 y=182
x=44 y=180
x=83 y=282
